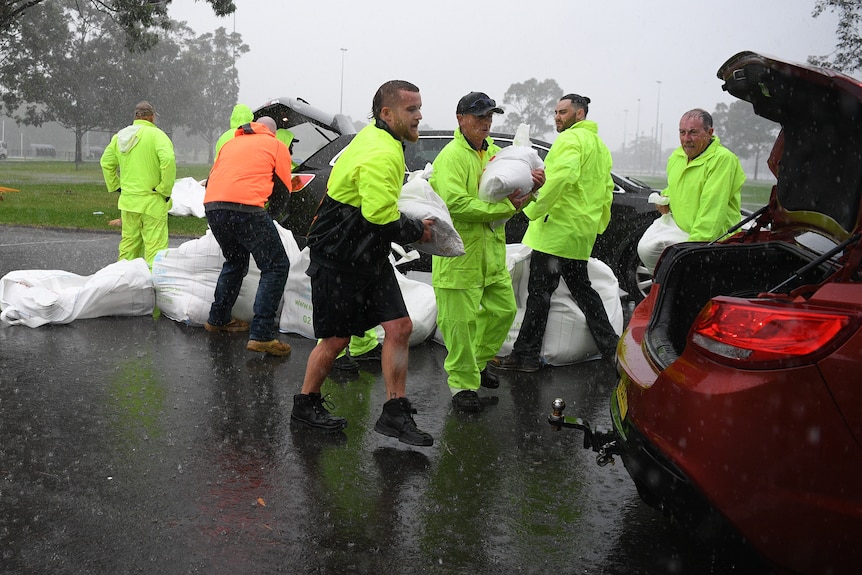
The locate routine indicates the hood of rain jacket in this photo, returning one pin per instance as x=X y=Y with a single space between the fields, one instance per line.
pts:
x=240 y=115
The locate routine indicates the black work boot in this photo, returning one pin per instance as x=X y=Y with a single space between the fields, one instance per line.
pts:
x=397 y=421
x=310 y=411
x=488 y=379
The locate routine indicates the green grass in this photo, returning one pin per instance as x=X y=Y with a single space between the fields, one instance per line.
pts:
x=57 y=195
x=754 y=194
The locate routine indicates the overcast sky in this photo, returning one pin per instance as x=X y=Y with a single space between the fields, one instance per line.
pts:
x=614 y=52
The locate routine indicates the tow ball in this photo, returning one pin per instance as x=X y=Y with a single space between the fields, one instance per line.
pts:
x=605 y=443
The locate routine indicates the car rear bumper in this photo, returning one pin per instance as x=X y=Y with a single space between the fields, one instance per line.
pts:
x=659 y=482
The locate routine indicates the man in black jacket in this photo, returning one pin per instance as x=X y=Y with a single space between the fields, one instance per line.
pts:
x=353 y=285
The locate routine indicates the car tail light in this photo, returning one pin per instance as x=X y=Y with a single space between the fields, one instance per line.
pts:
x=299 y=181
x=765 y=334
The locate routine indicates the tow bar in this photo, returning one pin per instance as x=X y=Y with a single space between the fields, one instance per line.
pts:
x=604 y=443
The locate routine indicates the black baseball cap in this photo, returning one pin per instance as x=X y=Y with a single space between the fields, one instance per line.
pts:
x=477 y=104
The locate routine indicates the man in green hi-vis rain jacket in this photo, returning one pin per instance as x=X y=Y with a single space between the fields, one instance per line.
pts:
x=139 y=163
x=475 y=299
x=704 y=180
x=572 y=208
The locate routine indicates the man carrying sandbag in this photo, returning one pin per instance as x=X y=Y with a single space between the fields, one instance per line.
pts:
x=573 y=207
x=475 y=299
x=353 y=285
x=703 y=195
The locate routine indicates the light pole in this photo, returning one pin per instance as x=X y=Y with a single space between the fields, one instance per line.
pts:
x=657 y=136
x=341 y=103
x=637 y=136
x=625 y=123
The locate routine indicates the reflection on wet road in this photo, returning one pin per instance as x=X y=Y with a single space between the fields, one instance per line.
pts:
x=140 y=445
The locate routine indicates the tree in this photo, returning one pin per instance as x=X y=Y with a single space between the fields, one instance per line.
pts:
x=58 y=71
x=210 y=62
x=747 y=134
x=72 y=67
x=847 y=56
x=531 y=102
x=139 y=19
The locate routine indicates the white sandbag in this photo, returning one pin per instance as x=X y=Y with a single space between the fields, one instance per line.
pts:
x=297 y=314
x=38 y=297
x=185 y=279
x=421 y=306
x=510 y=169
x=187 y=197
x=419 y=200
x=662 y=233
x=567 y=338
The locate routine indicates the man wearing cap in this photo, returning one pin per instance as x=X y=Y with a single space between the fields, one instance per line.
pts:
x=139 y=163
x=572 y=208
x=238 y=186
x=475 y=299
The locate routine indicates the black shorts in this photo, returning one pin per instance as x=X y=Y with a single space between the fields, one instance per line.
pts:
x=346 y=305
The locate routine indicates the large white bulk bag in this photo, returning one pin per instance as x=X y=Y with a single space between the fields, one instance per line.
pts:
x=38 y=297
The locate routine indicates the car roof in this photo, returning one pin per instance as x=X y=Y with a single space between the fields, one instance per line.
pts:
x=289 y=112
x=416 y=155
x=817 y=157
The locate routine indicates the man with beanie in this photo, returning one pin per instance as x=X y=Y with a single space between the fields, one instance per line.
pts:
x=238 y=187
x=139 y=163
x=353 y=285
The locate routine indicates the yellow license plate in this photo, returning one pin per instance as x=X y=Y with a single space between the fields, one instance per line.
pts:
x=622 y=398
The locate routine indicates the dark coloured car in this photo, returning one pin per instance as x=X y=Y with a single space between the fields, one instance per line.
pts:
x=631 y=214
x=740 y=398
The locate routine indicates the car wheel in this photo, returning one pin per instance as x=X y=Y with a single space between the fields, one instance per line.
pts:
x=635 y=278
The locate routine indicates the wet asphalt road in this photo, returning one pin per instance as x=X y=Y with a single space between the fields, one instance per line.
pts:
x=140 y=445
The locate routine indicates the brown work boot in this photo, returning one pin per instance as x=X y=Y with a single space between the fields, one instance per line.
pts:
x=272 y=347
x=233 y=326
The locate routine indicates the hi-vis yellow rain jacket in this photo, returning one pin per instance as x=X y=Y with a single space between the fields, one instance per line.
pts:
x=139 y=161
x=358 y=218
x=705 y=192
x=240 y=115
x=574 y=204
x=457 y=170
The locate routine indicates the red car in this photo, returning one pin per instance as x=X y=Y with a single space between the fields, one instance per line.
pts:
x=740 y=395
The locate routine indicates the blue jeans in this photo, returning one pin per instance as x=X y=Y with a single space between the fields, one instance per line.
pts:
x=240 y=234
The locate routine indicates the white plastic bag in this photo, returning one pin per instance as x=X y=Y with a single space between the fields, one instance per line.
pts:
x=510 y=169
x=187 y=198
x=419 y=200
x=567 y=337
x=662 y=233
x=185 y=279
